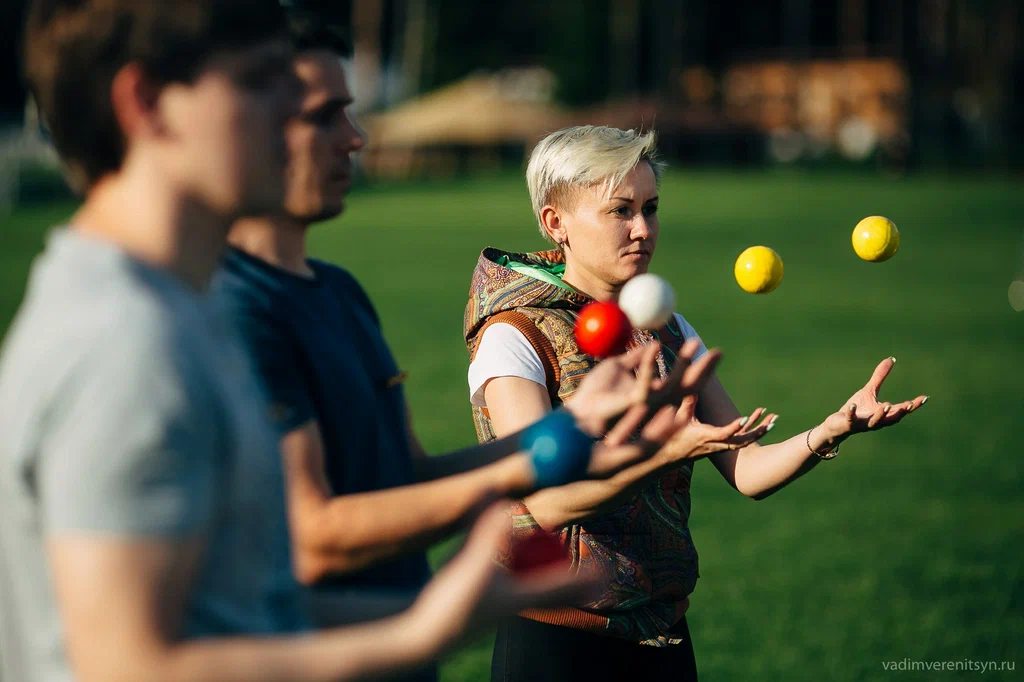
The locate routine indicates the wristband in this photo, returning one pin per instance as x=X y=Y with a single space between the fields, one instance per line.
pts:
x=559 y=449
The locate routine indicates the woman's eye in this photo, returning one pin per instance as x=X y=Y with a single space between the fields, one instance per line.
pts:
x=622 y=211
x=650 y=210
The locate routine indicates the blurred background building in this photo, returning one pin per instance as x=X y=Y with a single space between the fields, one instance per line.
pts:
x=445 y=86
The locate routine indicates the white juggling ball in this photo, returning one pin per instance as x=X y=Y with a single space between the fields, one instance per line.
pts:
x=648 y=301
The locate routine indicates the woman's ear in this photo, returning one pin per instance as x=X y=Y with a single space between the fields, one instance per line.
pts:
x=552 y=223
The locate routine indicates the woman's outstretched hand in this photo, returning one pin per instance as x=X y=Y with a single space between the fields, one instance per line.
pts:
x=863 y=411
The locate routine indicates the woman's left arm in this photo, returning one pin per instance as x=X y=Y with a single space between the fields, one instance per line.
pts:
x=758 y=471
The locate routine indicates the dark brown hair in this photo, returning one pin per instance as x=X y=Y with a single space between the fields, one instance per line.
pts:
x=74 y=48
x=321 y=26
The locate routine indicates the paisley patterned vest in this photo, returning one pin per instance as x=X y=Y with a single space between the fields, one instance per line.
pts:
x=642 y=551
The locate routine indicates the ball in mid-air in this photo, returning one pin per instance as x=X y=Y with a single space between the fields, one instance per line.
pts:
x=758 y=270
x=602 y=329
x=648 y=301
x=876 y=239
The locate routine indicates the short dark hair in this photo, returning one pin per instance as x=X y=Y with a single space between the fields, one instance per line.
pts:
x=320 y=25
x=74 y=49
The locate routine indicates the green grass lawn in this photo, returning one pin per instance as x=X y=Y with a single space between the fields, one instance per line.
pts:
x=907 y=546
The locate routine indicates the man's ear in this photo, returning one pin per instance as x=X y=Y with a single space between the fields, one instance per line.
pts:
x=133 y=97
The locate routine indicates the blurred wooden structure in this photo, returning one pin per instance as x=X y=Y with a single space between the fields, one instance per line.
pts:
x=487 y=119
x=466 y=123
x=817 y=97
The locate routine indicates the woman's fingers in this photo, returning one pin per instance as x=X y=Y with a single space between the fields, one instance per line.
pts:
x=884 y=414
x=895 y=413
x=721 y=434
x=878 y=415
x=879 y=375
x=750 y=435
x=850 y=414
x=898 y=412
x=625 y=427
x=751 y=420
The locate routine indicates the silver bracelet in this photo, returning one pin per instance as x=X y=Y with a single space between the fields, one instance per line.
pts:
x=830 y=454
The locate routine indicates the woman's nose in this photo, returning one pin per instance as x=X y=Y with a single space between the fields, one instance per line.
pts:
x=641 y=230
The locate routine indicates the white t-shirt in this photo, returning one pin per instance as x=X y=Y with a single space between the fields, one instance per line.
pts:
x=506 y=352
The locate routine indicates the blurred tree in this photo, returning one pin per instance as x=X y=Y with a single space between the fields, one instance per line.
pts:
x=579 y=51
x=12 y=90
x=624 y=28
x=471 y=36
x=367 y=19
x=417 y=46
x=853 y=19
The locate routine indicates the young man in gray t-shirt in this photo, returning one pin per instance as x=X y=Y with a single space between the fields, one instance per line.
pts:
x=143 y=533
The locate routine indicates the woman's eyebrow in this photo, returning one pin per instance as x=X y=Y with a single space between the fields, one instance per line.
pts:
x=629 y=201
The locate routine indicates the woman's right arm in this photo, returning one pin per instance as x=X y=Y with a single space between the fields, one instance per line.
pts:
x=514 y=403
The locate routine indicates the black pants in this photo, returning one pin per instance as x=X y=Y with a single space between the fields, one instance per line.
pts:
x=528 y=651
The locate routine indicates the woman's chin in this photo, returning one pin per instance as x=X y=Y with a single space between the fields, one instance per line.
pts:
x=634 y=267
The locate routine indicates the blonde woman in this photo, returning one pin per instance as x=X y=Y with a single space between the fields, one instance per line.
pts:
x=594 y=192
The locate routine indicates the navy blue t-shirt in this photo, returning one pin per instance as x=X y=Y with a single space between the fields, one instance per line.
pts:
x=320 y=352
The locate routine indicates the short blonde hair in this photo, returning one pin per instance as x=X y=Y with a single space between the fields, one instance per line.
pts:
x=582 y=156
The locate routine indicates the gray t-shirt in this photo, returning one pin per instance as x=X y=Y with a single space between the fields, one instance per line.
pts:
x=128 y=409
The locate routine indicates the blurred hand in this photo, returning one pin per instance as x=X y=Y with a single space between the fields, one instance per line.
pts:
x=686 y=437
x=472 y=593
x=863 y=412
x=673 y=435
x=687 y=377
x=625 y=385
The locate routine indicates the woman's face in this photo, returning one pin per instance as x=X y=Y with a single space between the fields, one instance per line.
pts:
x=610 y=235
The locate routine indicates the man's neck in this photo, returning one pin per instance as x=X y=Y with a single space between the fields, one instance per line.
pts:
x=278 y=241
x=156 y=225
